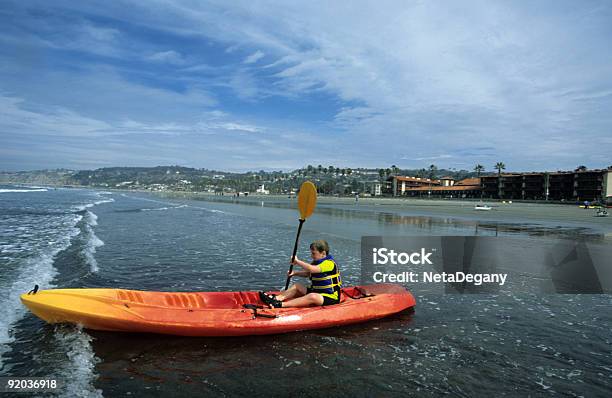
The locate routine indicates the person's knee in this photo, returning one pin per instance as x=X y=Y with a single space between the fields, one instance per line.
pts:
x=315 y=298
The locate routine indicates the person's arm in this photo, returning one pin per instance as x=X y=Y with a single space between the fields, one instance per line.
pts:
x=311 y=269
x=304 y=274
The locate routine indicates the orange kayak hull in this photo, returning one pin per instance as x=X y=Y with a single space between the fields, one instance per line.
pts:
x=209 y=313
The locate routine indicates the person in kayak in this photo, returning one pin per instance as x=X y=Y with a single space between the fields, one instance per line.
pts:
x=324 y=277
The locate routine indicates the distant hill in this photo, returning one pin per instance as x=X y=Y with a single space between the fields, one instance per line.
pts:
x=39 y=177
x=329 y=179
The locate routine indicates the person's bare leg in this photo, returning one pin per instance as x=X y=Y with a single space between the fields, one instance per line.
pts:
x=294 y=291
x=304 y=301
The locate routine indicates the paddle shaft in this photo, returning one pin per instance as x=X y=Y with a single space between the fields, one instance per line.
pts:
x=297 y=238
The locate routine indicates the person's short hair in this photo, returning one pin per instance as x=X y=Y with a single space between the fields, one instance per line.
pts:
x=320 y=246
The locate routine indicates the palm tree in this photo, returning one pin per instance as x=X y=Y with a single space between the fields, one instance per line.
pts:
x=320 y=168
x=432 y=174
x=432 y=171
x=479 y=169
x=499 y=166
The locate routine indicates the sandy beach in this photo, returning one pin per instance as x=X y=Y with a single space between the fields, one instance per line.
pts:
x=548 y=214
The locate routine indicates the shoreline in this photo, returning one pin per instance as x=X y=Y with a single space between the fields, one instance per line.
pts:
x=555 y=215
x=381 y=200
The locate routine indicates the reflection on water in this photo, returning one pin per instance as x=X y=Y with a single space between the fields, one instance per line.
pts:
x=361 y=220
x=342 y=359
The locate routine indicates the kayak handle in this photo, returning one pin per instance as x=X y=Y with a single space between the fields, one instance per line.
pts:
x=363 y=293
x=255 y=314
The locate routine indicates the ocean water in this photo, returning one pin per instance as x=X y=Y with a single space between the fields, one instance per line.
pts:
x=510 y=343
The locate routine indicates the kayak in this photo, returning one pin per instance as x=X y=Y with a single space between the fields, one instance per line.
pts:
x=209 y=313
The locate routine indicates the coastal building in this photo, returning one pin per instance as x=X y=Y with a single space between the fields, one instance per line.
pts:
x=447 y=181
x=372 y=188
x=559 y=186
x=400 y=184
x=445 y=187
x=377 y=189
x=607 y=186
x=466 y=188
x=576 y=185
x=262 y=190
x=588 y=184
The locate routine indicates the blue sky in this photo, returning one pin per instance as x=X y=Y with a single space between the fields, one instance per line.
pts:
x=278 y=85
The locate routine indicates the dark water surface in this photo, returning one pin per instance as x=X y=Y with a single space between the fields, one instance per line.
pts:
x=509 y=343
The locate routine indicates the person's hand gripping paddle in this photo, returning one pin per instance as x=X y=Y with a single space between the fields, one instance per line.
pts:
x=307 y=200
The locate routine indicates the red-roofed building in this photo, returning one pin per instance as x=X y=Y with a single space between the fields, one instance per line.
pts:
x=444 y=187
x=400 y=184
x=447 y=181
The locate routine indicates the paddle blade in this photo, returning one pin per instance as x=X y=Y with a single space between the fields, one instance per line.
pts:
x=307 y=199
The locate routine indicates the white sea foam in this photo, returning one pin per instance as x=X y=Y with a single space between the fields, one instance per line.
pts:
x=99 y=202
x=30 y=186
x=147 y=199
x=90 y=205
x=23 y=190
x=93 y=219
x=36 y=270
x=79 y=371
x=212 y=210
x=84 y=207
x=93 y=242
x=164 y=208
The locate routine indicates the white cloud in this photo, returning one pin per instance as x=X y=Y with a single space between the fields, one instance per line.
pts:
x=239 y=127
x=15 y=117
x=256 y=56
x=401 y=79
x=171 y=57
x=87 y=37
x=28 y=118
x=436 y=157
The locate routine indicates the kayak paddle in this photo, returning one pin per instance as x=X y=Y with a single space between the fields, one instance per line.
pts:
x=307 y=200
